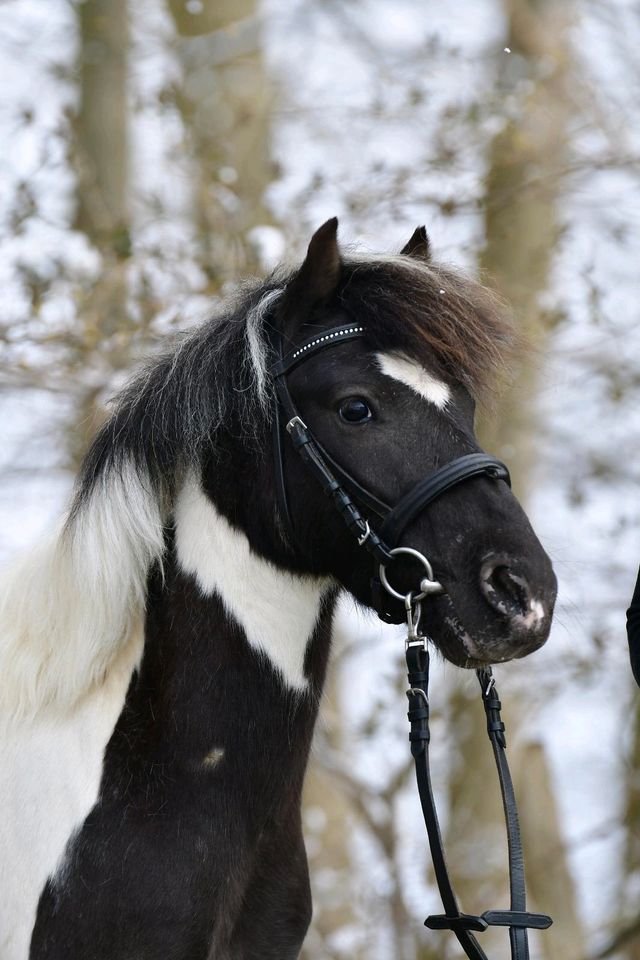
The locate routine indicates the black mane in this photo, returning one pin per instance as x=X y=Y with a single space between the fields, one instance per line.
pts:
x=218 y=373
x=172 y=408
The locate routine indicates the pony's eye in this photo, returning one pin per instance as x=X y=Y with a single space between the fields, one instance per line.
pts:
x=355 y=410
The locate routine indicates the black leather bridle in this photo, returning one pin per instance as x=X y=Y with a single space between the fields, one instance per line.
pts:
x=348 y=495
x=381 y=540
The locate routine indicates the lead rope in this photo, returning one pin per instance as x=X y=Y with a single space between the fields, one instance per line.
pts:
x=516 y=918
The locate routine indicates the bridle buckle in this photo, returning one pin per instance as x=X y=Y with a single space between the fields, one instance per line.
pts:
x=295 y=422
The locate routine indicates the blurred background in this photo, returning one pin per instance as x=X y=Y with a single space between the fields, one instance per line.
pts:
x=155 y=153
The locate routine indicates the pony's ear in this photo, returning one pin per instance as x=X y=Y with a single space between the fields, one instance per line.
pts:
x=418 y=246
x=317 y=279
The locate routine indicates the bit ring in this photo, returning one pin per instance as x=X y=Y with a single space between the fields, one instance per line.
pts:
x=427 y=585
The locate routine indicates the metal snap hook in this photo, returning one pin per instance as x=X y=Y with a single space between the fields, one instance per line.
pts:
x=427 y=585
x=413 y=608
x=414 y=611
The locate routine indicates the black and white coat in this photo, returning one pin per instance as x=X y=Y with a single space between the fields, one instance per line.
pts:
x=162 y=656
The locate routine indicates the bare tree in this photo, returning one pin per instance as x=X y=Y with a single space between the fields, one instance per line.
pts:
x=225 y=101
x=549 y=876
x=526 y=160
x=100 y=152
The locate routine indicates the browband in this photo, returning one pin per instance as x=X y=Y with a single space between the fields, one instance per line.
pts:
x=328 y=339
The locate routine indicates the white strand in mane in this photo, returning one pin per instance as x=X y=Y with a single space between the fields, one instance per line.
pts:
x=256 y=343
x=70 y=607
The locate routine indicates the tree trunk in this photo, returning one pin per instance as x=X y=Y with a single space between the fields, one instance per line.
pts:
x=521 y=229
x=100 y=155
x=523 y=183
x=225 y=102
x=550 y=884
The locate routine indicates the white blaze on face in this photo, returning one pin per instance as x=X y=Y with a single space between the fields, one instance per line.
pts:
x=407 y=371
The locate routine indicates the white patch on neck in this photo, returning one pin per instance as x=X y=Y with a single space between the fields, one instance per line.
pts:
x=400 y=367
x=277 y=610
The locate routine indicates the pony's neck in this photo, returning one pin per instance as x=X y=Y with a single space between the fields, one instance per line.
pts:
x=71 y=611
x=234 y=659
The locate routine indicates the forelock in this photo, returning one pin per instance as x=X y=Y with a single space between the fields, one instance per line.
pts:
x=444 y=320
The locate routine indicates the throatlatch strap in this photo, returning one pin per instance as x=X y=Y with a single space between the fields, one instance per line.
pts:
x=517 y=918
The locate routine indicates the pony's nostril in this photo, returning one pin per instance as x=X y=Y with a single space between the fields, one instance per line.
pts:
x=507 y=592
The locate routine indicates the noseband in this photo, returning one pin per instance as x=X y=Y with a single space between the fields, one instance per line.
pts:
x=381 y=540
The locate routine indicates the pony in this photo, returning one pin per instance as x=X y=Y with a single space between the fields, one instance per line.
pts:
x=162 y=655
